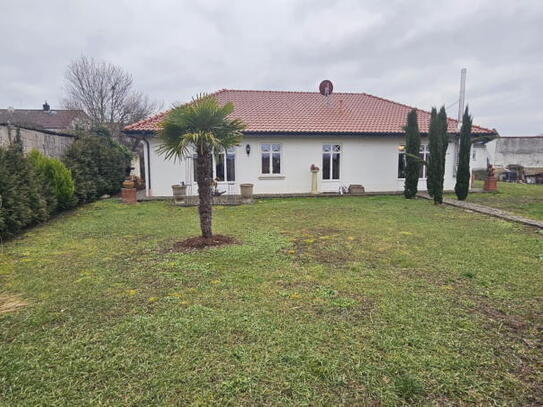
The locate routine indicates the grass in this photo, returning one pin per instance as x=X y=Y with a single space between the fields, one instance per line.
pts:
x=328 y=301
x=521 y=199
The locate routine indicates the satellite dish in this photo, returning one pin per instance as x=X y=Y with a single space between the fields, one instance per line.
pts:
x=326 y=87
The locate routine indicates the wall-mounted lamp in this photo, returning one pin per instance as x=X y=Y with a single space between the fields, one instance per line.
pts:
x=248 y=149
x=401 y=148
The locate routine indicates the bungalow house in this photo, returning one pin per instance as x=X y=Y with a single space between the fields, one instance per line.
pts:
x=354 y=138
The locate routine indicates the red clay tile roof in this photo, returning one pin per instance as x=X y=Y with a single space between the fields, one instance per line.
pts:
x=310 y=112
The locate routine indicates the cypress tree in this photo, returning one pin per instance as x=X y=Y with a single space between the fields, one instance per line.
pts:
x=412 y=148
x=462 y=175
x=22 y=201
x=434 y=154
x=442 y=145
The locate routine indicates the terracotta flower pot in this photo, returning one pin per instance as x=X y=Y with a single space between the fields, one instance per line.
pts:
x=128 y=184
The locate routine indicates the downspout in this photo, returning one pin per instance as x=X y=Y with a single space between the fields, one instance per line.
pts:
x=147 y=167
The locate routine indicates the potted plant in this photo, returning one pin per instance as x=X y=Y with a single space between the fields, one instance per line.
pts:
x=179 y=193
x=128 y=184
x=246 y=193
x=314 y=170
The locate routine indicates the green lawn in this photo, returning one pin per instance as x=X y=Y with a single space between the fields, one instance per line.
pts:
x=325 y=302
x=522 y=199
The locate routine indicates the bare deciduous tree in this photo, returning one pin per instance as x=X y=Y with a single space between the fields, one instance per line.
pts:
x=106 y=93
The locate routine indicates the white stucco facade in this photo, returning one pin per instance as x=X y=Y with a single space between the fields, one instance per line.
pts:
x=371 y=161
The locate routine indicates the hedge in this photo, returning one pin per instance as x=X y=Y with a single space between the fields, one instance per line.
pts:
x=34 y=187
x=21 y=201
x=56 y=180
x=98 y=165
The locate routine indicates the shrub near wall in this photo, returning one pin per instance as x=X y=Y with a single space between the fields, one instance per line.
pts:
x=98 y=165
x=56 y=182
x=21 y=201
x=34 y=187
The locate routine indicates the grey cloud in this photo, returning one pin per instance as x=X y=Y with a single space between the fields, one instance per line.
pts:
x=407 y=51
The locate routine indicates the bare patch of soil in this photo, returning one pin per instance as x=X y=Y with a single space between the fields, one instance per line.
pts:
x=200 y=243
x=11 y=303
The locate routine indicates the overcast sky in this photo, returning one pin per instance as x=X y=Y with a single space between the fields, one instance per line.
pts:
x=407 y=51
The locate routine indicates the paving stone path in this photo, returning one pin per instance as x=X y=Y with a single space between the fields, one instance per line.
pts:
x=498 y=213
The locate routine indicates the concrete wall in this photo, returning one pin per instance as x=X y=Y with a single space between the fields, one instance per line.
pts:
x=524 y=151
x=370 y=161
x=479 y=155
x=52 y=145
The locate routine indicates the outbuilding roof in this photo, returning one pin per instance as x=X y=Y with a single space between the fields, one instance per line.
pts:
x=311 y=112
x=58 y=119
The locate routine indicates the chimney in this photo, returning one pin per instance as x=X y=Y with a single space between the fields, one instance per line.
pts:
x=46 y=106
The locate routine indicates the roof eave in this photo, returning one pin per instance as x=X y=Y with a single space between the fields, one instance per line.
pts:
x=262 y=133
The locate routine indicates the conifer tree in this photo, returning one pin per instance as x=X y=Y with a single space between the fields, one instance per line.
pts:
x=412 y=148
x=441 y=147
x=462 y=175
x=431 y=160
x=22 y=202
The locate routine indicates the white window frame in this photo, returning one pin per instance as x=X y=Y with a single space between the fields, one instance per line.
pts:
x=272 y=174
x=425 y=152
x=230 y=150
x=331 y=161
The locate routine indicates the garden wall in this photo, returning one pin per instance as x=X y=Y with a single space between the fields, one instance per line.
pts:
x=46 y=142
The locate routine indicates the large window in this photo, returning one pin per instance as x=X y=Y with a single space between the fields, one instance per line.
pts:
x=224 y=165
x=424 y=153
x=225 y=168
x=331 y=154
x=271 y=158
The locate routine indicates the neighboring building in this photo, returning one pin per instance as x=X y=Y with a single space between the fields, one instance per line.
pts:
x=45 y=118
x=47 y=130
x=517 y=158
x=354 y=138
x=50 y=143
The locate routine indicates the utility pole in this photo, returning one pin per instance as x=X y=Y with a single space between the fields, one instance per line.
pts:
x=461 y=101
x=462 y=97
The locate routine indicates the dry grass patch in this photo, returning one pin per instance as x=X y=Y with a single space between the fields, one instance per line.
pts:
x=11 y=303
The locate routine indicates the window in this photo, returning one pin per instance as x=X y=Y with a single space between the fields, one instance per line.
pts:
x=424 y=153
x=224 y=166
x=401 y=162
x=473 y=154
x=330 y=161
x=271 y=158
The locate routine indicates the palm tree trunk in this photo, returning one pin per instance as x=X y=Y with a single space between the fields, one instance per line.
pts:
x=204 y=171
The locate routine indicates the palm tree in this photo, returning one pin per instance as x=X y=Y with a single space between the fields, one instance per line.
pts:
x=200 y=127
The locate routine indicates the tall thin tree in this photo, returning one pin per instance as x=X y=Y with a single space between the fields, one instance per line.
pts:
x=463 y=174
x=433 y=131
x=202 y=127
x=442 y=143
x=412 y=161
x=438 y=142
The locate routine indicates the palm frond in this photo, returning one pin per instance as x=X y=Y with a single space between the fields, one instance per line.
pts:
x=202 y=125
